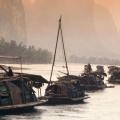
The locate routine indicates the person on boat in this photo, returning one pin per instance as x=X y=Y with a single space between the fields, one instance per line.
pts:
x=10 y=72
x=89 y=68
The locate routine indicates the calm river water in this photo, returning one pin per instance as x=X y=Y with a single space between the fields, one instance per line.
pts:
x=102 y=104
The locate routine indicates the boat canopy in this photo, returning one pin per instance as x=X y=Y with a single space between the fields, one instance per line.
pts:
x=34 y=78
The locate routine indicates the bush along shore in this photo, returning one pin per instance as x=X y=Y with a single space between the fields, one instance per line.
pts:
x=93 y=60
x=30 y=54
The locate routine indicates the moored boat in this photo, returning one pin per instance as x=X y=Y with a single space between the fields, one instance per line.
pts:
x=86 y=81
x=93 y=80
x=16 y=92
x=114 y=74
x=64 y=93
x=89 y=80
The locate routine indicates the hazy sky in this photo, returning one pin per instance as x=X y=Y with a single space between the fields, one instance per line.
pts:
x=86 y=23
x=111 y=5
x=32 y=1
x=114 y=7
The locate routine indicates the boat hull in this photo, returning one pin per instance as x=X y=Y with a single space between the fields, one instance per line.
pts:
x=92 y=87
x=14 y=109
x=115 y=81
x=63 y=100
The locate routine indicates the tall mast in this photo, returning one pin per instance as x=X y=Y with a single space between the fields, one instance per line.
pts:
x=59 y=32
x=64 y=48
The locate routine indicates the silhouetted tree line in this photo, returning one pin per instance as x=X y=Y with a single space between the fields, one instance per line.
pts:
x=93 y=60
x=30 y=54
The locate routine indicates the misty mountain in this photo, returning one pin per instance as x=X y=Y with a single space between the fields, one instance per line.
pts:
x=12 y=21
x=114 y=7
x=88 y=28
x=106 y=29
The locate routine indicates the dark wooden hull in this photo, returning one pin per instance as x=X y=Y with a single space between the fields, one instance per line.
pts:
x=63 y=100
x=14 y=109
x=94 y=87
x=114 y=81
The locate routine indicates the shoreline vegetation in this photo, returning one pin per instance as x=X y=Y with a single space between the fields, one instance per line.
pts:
x=30 y=54
x=93 y=60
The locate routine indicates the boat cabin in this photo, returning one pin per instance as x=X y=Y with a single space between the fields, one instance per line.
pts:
x=17 y=95
x=15 y=91
x=115 y=77
x=100 y=69
x=64 y=89
x=113 y=69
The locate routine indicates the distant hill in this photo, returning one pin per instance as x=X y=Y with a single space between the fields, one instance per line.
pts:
x=12 y=21
x=88 y=28
x=106 y=29
x=114 y=7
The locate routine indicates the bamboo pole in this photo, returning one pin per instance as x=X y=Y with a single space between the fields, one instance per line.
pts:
x=55 y=49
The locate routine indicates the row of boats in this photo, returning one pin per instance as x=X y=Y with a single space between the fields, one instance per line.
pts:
x=72 y=89
x=17 y=93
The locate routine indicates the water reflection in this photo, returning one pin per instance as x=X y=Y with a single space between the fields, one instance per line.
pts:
x=34 y=114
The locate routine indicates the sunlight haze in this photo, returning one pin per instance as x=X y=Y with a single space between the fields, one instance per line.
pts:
x=90 y=27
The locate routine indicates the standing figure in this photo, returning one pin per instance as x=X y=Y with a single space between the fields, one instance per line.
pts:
x=89 y=68
x=10 y=72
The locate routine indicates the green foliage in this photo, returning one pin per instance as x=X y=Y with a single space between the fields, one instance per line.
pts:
x=31 y=54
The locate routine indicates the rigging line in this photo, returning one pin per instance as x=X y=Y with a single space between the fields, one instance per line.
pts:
x=64 y=48
x=55 y=49
x=61 y=52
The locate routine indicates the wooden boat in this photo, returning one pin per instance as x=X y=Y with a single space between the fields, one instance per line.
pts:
x=17 y=94
x=89 y=80
x=112 y=69
x=114 y=78
x=114 y=72
x=63 y=92
x=93 y=80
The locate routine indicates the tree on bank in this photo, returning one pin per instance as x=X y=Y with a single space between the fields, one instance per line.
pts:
x=93 y=60
x=31 y=54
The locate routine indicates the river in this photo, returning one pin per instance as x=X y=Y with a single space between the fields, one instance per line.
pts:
x=102 y=104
